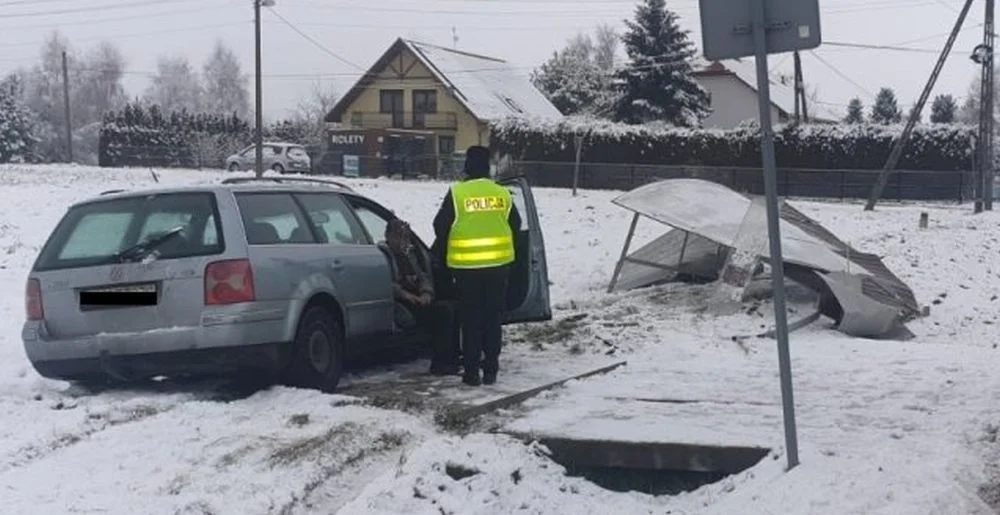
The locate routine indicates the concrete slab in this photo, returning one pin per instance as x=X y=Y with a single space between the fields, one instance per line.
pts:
x=522 y=375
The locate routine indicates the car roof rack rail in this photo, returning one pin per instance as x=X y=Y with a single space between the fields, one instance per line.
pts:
x=112 y=192
x=282 y=180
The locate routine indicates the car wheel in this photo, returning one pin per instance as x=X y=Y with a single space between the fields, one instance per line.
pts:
x=278 y=168
x=318 y=351
x=233 y=167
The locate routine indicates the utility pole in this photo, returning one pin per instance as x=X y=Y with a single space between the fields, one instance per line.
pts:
x=258 y=100
x=800 y=92
x=69 y=121
x=897 y=149
x=984 y=52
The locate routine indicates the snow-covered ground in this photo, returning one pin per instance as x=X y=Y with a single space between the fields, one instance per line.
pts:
x=884 y=427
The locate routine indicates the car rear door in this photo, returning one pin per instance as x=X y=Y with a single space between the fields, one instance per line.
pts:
x=357 y=267
x=528 y=286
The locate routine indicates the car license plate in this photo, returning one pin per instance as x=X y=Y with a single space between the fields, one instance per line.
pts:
x=124 y=295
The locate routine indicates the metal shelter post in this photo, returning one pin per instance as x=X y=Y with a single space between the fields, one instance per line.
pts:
x=621 y=259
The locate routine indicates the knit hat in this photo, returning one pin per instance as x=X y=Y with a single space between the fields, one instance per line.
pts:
x=477 y=162
x=397 y=227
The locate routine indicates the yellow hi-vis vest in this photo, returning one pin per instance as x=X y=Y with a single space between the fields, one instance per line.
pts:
x=480 y=237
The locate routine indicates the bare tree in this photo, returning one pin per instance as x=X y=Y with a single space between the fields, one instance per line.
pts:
x=225 y=83
x=606 y=41
x=176 y=86
x=311 y=110
x=43 y=94
x=98 y=82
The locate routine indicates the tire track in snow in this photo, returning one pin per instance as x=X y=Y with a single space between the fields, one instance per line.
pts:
x=338 y=439
x=147 y=405
x=94 y=423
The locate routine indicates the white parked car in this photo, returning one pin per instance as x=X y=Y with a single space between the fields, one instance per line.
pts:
x=280 y=157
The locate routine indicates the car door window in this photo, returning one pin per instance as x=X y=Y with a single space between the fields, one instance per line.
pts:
x=332 y=219
x=518 y=197
x=273 y=219
x=373 y=222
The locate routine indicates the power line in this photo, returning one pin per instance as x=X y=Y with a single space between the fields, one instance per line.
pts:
x=96 y=8
x=840 y=73
x=881 y=47
x=95 y=21
x=137 y=34
x=315 y=43
x=935 y=36
x=397 y=10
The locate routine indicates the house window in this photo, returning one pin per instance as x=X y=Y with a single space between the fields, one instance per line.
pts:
x=391 y=102
x=446 y=145
x=424 y=102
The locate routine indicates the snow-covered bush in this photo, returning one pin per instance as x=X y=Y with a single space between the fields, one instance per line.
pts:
x=141 y=135
x=842 y=147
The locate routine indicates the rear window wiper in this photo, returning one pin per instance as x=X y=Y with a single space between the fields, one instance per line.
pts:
x=144 y=247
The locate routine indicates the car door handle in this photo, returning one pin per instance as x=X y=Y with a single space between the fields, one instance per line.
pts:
x=337 y=266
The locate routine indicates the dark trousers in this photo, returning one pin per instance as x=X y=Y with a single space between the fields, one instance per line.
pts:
x=482 y=294
x=439 y=319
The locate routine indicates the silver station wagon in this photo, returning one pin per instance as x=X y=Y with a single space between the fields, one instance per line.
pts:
x=273 y=276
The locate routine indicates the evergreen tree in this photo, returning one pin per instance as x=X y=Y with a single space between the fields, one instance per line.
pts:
x=855 y=111
x=944 y=109
x=656 y=85
x=17 y=122
x=886 y=110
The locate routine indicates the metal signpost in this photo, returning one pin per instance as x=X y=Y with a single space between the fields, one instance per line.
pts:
x=765 y=27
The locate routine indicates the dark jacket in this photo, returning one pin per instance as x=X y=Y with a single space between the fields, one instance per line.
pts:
x=408 y=275
x=445 y=218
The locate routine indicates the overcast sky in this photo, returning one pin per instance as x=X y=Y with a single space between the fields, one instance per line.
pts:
x=524 y=32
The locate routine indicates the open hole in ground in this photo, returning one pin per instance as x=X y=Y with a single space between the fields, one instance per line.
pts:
x=650 y=468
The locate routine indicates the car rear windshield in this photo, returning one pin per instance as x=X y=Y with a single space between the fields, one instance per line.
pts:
x=297 y=152
x=91 y=234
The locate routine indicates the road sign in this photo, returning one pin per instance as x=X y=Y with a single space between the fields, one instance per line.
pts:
x=765 y=27
x=726 y=28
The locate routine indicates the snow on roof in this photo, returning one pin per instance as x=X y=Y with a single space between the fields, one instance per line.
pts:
x=782 y=95
x=489 y=87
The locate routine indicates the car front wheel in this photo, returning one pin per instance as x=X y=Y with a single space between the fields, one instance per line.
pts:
x=318 y=352
x=278 y=168
x=233 y=167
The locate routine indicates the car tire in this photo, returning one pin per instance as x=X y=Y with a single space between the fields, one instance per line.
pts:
x=233 y=167
x=318 y=351
x=278 y=168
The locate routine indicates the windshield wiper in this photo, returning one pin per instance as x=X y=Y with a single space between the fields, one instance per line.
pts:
x=144 y=247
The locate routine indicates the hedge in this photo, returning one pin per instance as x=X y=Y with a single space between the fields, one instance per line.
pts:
x=940 y=147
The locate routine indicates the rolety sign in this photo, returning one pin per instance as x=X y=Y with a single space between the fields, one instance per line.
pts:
x=347 y=139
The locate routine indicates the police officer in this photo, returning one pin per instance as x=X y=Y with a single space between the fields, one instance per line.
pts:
x=478 y=221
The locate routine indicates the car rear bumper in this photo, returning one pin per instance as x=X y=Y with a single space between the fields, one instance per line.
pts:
x=221 y=341
x=294 y=168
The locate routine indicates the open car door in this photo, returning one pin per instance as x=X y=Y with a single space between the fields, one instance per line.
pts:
x=528 y=285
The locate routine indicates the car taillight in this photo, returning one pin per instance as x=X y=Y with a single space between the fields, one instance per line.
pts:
x=33 y=300
x=228 y=282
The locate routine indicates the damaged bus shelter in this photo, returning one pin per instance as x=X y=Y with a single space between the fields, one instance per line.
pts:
x=708 y=220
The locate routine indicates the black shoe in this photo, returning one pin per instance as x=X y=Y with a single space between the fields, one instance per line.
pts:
x=471 y=379
x=489 y=378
